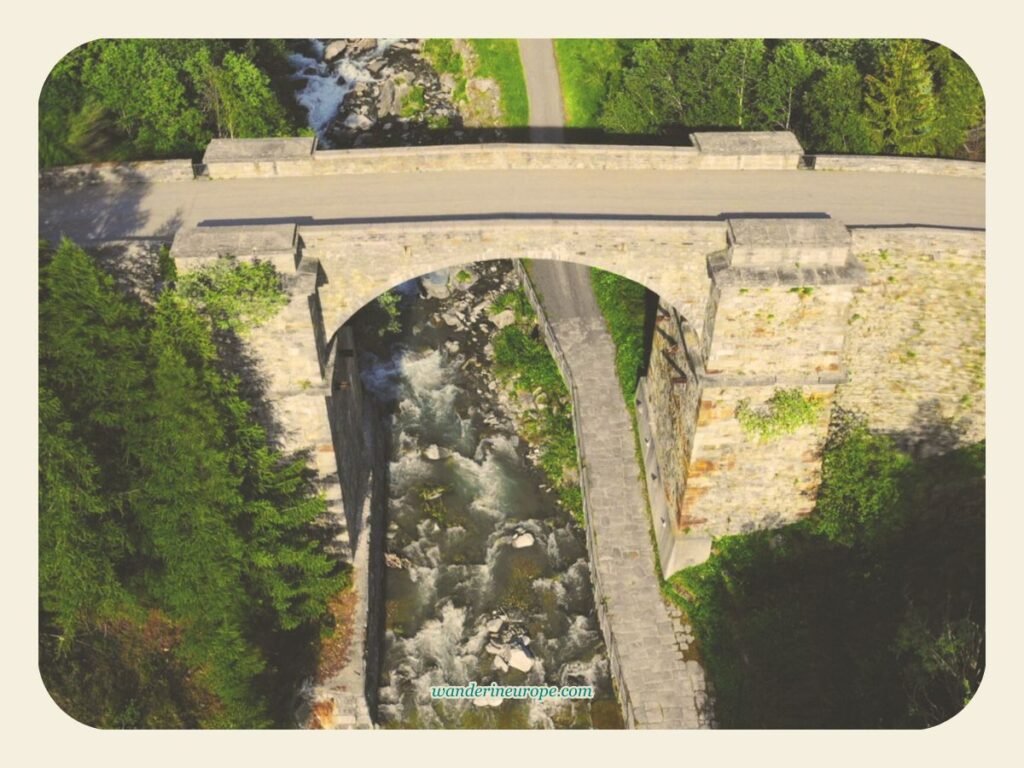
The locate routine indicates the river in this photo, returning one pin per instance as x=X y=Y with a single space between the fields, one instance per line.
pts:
x=461 y=596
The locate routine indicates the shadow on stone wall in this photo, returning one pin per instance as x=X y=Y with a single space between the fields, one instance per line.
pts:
x=931 y=433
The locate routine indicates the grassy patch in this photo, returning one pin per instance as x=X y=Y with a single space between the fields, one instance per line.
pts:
x=787 y=411
x=623 y=304
x=499 y=59
x=867 y=614
x=585 y=67
x=414 y=103
x=522 y=361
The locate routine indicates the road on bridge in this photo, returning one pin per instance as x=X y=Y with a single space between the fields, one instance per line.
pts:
x=110 y=211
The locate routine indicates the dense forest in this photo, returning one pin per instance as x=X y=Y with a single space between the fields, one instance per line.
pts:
x=184 y=577
x=146 y=99
x=863 y=96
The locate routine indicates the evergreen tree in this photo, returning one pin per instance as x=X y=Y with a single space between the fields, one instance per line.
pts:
x=961 y=103
x=833 y=117
x=901 y=108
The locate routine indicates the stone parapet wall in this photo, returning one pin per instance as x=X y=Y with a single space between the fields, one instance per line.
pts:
x=141 y=172
x=883 y=164
x=248 y=158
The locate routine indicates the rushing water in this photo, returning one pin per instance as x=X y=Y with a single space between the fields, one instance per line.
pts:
x=325 y=85
x=462 y=489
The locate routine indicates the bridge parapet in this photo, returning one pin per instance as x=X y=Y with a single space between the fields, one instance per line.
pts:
x=257 y=158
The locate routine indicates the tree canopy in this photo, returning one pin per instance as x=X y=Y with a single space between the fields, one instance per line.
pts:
x=905 y=97
x=179 y=553
x=130 y=99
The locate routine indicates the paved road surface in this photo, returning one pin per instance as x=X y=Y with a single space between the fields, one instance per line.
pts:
x=113 y=211
x=543 y=90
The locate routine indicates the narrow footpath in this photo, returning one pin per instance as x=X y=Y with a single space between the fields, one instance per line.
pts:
x=646 y=637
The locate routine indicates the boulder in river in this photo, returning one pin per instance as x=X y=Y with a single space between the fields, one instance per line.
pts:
x=494 y=625
x=523 y=540
x=434 y=452
x=520 y=659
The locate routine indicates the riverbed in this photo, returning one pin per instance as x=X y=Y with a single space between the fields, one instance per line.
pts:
x=485 y=567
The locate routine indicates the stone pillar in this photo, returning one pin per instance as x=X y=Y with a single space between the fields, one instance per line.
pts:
x=776 y=318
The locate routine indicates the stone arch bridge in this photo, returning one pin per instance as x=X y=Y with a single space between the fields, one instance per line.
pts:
x=753 y=250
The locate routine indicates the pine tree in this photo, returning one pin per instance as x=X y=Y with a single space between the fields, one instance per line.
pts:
x=961 y=103
x=901 y=109
x=833 y=117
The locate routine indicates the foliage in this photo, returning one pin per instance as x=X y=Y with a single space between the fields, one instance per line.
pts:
x=235 y=295
x=585 y=67
x=868 y=625
x=499 y=59
x=391 y=304
x=181 y=572
x=787 y=411
x=132 y=98
x=522 y=361
x=669 y=84
x=921 y=98
x=861 y=474
x=442 y=55
x=414 y=103
x=900 y=101
x=834 y=113
x=623 y=304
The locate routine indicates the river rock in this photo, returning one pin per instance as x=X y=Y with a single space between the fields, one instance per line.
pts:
x=434 y=452
x=358 y=122
x=523 y=540
x=504 y=318
x=392 y=560
x=334 y=49
x=500 y=664
x=436 y=285
x=487 y=701
x=494 y=625
x=494 y=649
x=520 y=659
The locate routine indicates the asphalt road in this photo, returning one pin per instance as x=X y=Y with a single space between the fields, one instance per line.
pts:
x=147 y=210
x=543 y=90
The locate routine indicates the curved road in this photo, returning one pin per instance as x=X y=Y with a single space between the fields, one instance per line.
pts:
x=111 y=211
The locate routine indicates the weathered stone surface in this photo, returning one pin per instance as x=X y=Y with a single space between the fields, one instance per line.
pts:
x=884 y=164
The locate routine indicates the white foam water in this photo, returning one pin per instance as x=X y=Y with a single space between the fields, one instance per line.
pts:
x=326 y=85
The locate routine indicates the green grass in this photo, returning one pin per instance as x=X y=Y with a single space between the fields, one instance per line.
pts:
x=584 y=68
x=499 y=60
x=523 y=363
x=623 y=304
x=414 y=103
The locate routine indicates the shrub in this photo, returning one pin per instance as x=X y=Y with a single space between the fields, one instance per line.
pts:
x=787 y=411
x=235 y=295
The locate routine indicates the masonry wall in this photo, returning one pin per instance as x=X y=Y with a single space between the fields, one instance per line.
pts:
x=916 y=347
x=361 y=263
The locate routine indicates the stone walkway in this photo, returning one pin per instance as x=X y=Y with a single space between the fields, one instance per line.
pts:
x=647 y=640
